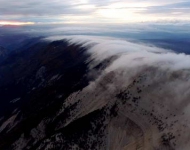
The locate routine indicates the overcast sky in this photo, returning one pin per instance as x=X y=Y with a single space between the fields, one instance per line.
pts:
x=94 y=11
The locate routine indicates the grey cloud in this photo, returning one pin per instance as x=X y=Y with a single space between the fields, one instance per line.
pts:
x=36 y=7
x=53 y=10
x=182 y=7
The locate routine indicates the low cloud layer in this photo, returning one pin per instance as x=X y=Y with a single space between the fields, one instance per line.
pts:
x=131 y=53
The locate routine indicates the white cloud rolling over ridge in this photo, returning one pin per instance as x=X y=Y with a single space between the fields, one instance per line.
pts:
x=105 y=47
x=162 y=75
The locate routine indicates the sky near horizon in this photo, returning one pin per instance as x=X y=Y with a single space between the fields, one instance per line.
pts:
x=93 y=11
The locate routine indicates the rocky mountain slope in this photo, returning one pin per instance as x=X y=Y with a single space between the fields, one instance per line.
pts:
x=94 y=93
x=3 y=53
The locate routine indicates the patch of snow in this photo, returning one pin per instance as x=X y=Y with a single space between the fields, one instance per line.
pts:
x=20 y=143
x=55 y=78
x=9 y=122
x=40 y=73
x=15 y=100
x=59 y=96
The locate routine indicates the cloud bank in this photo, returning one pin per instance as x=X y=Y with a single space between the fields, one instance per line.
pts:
x=159 y=78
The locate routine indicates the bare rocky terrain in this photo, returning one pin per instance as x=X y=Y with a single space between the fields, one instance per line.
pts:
x=67 y=94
